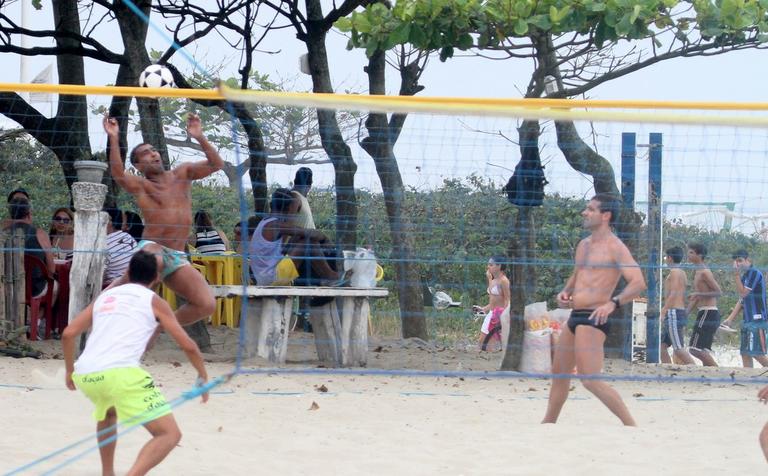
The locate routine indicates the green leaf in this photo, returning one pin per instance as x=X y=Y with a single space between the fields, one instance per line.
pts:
x=361 y=22
x=635 y=14
x=343 y=24
x=540 y=21
x=553 y=14
x=445 y=53
x=419 y=38
x=371 y=49
x=401 y=34
x=465 y=41
x=521 y=27
x=624 y=25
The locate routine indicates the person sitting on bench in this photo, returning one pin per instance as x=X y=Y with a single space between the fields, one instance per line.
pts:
x=275 y=261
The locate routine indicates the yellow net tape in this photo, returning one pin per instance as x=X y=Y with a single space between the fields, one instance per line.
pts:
x=556 y=109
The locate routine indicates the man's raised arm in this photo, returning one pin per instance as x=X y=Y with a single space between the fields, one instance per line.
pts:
x=214 y=163
x=129 y=183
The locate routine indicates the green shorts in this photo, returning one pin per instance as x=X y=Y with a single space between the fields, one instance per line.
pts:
x=130 y=390
x=172 y=259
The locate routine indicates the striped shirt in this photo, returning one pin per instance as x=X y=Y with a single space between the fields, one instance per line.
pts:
x=754 y=302
x=209 y=242
x=120 y=247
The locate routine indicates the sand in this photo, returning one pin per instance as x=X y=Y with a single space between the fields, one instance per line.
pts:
x=334 y=424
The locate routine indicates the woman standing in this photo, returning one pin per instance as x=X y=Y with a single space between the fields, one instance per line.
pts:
x=62 y=233
x=498 y=301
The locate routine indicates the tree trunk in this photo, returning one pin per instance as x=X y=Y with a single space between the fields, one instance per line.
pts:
x=521 y=235
x=134 y=33
x=379 y=146
x=522 y=253
x=257 y=165
x=66 y=134
x=71 y=142
x=330 y=133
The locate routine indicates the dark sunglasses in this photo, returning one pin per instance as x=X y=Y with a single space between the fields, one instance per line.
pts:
x=62 y=219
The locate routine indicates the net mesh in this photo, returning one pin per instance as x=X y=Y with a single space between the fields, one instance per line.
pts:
x=455 y=163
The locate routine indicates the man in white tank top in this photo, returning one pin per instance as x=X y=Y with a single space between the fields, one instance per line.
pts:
x=108 y=372
x=302 y=183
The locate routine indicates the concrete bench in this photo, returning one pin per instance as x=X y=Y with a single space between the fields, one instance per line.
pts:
x=341 y=339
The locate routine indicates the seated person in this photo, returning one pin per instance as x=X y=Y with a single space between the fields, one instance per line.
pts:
x=36 y=242
x=208 y=239
x=133 y=225
x=17 y=193
x=237 y=238
x=120 y=247
x=62 y=233
x=266 y=248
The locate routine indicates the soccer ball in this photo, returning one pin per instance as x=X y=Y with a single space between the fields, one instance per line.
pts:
x=156 y=76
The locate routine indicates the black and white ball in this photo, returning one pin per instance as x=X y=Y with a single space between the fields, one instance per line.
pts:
x=156 y=76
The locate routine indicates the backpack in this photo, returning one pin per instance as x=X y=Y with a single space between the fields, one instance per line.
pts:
x=526 y=186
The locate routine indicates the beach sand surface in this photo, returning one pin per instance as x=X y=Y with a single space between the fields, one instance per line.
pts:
x=308 y=421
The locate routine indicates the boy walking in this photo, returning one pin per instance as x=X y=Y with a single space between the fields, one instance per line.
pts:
x=673 y=315
x=122 y=320
x=704 y=297
x=751 y=287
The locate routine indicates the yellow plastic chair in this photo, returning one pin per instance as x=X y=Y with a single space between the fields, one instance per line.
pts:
x=166 y=293
x=233 y=317
x=220 y=270
x=214 y=275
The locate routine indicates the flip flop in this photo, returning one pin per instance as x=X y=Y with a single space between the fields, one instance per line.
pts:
x=727 y=328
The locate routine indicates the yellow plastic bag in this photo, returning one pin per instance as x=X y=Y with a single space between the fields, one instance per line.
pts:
x=285 y=272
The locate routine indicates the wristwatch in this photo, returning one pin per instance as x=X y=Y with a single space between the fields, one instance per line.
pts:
x=616 y=301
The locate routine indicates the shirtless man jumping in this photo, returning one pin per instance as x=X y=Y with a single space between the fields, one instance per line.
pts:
x=600 y=260
x=706 y=291
x=166 y=204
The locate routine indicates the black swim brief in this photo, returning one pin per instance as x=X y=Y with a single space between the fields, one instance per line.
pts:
x=580 y=317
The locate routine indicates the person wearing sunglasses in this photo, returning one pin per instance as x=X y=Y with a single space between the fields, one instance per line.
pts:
x=62 y=233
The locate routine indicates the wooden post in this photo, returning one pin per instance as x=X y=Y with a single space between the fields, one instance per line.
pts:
x=327 y=329
x=18 y=295
x=354 y=332
x=7 y=323
x=266 y=328
x=654 y=249
x=90 y=244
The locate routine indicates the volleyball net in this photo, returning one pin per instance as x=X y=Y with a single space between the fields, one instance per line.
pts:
x=438 y=186
x=450 y=167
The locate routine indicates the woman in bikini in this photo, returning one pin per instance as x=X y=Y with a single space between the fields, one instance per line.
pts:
x=498 y=301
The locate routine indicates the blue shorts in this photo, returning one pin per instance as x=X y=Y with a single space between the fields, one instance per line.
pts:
x=753 y=338
x=674 y=328
x=172 y=259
